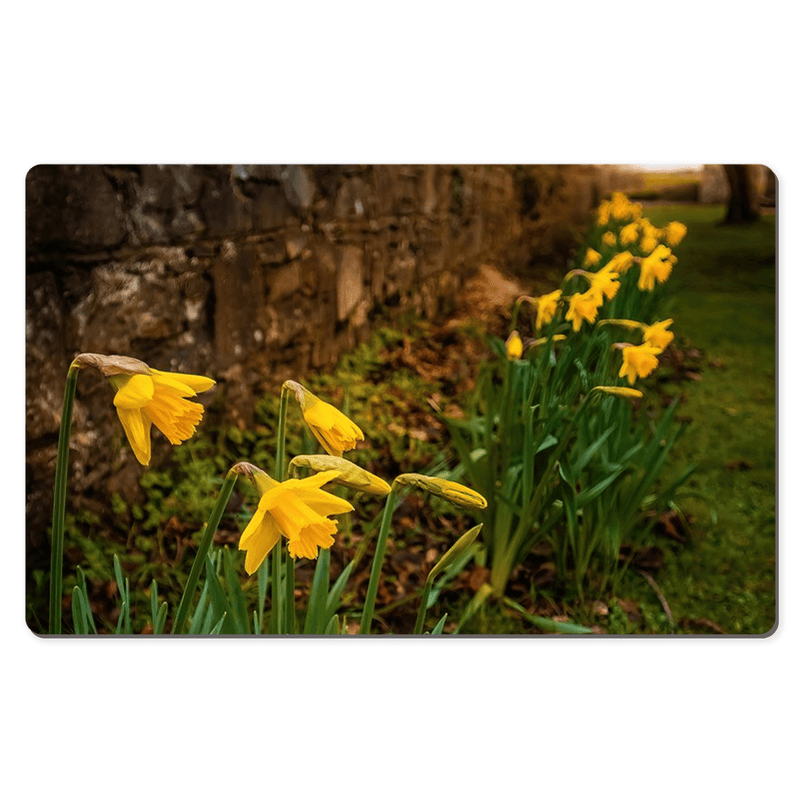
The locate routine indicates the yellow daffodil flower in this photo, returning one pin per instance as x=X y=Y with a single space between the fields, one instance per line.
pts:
x=650 y=236
x=655 y=267
x=604 y=281
x=450 y=490
x=603 y=213
x=592 y=258
x=146 y=396
x=618 y=391
x=332 y=429
x=638 y=361
x=657 y=334
x=583 y=307
x=546 y=307
x=648 y=244
x=295 y=509
x=621 y=262
x=609 y=239
x=514 y=346
x=350 y=475
x=621 y=207
x=629 y=234
x=674 y=233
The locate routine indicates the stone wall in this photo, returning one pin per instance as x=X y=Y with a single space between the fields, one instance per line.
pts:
x=250 y=274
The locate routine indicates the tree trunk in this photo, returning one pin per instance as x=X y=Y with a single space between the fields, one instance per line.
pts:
x=743 y=201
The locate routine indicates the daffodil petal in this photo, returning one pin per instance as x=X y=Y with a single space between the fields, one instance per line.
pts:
x=176 y=417
x=186 y=385
x=136 y=392
x=324 y=502
x=252 y=527
x=198 y=383
x=137 y=428
x=258 y=545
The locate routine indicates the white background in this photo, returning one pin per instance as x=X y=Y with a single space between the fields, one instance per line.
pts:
x=90 y=82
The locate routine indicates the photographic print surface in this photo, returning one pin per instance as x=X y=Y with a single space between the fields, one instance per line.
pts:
x=495 y=400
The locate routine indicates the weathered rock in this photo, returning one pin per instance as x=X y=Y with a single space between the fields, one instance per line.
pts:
x=250 y=273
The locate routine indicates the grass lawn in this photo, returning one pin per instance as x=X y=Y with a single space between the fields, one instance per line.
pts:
x=724 y=305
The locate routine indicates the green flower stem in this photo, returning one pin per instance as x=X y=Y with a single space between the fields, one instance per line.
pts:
x=289 y=593
x=276 y=611
x=60 y=502
x=263 y=580
x=377 y=562
x=276 y=615
x=202 y=551
x=423 y=607
x=280 y=447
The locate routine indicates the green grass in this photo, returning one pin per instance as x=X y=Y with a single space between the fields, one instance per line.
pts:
x=724 y=304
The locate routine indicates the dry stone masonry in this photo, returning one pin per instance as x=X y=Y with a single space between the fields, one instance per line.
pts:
x=250 y=274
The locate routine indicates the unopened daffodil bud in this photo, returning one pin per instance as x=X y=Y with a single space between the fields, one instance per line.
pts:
x=450 y=490
x=514 y=346
x=618 y=391
x=630 y=324
x=558 y=337
x=459 y=547
x=350 y=475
